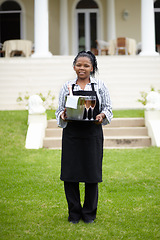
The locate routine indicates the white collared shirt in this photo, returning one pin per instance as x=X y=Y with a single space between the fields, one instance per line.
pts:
x=102 y=94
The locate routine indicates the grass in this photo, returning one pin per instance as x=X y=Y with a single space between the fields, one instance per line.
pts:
x=137 y=113
x=32 y=200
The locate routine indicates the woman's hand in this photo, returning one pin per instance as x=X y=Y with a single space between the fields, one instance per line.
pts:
x=63 y=115
x=100 y=117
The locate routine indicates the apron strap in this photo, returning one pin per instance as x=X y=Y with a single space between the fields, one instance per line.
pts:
x=73 y=87
x=92 y=85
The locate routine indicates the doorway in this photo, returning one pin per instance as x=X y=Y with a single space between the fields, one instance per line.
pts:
x=87 y=22
x=157 y=24
x=10 y=21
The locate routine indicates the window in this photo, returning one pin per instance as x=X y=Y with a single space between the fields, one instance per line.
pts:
x=87 y=4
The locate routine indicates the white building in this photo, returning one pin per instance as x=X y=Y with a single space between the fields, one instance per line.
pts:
x=58 y=29
x=63 y=27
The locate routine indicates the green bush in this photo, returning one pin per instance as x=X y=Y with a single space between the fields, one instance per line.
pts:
x=48 y=100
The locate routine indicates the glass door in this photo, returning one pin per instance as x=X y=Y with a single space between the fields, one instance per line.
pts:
x=81 y=32
x=93 y=30
x=86 y=29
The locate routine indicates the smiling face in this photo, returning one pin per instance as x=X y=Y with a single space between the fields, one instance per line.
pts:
x=83 y=67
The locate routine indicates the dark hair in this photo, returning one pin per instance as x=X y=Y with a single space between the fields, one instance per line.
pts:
x=91 y=57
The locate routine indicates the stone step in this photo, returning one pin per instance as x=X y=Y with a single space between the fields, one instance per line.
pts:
x=121 y=131
x=109 y=142
x=53 y=132
x=133 y=74
x=52 y=142
x=52 y=123
x=126 y=122
x=116 y=122
x=127 y=142
x=125 y=131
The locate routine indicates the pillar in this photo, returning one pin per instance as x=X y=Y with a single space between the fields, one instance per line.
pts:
x=64 y=27
x=41 y=30
x=147 y=28
x=111 y=25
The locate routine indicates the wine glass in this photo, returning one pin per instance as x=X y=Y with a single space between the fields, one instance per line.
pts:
x=87 y=105
x=93 y=104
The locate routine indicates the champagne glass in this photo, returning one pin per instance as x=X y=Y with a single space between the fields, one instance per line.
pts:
x=87 y=105
x=93 y=104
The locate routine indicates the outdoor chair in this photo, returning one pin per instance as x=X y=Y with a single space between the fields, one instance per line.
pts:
x=17 y=53
x=1 y=50
x=102 y=47
x=138 y=47
x=121 y=46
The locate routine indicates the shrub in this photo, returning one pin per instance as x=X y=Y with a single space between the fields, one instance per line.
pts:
x=144 y=95
x=48 y=100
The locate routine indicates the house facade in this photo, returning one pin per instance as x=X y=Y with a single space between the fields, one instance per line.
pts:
x=58 y=29
x=64 y=27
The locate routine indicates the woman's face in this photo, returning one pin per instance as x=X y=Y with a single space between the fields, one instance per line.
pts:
x=83 y=67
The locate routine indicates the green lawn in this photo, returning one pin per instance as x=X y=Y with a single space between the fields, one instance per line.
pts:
x=32 y=200
x=128 y=113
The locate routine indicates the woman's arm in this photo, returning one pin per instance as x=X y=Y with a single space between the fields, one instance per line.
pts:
x=60 y=112
x=106 y=108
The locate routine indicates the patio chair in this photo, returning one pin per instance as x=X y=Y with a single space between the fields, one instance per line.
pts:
x=2 y=52
x=17 y=53
x=138 y=47
x=102 y=47
x=121 y=46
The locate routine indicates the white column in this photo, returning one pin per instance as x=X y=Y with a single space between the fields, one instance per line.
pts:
x=147 y=28
x=111 y=25
x=41 y=31
x=64 y=27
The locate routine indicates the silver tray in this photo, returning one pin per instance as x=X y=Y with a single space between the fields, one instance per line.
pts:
x=79 y=120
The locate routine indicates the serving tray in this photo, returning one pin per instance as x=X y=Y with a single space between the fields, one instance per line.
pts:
x=80 y=120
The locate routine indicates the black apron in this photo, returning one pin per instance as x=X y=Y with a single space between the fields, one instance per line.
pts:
x=82 y=147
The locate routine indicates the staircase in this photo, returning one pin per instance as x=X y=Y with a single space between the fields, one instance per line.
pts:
x=121 y=133
x=125 y=76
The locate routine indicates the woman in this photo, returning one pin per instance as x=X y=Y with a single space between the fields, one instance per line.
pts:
x=82 y=141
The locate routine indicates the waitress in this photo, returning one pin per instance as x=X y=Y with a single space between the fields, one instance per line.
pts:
x=82 y=141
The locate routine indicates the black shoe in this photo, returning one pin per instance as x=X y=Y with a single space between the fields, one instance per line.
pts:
x=89 y=221
x=74 y=221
